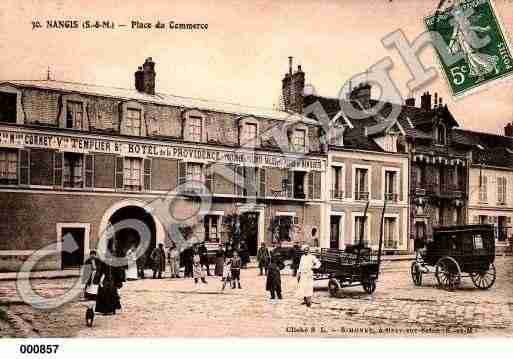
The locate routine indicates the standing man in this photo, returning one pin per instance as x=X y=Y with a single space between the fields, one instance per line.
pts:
x=305 y=285
x=263 y=257
x=236 y=265
x=158 y=257
x=173 y=258
x=203 y=252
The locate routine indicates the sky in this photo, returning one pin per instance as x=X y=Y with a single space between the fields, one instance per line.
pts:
x=242 y=56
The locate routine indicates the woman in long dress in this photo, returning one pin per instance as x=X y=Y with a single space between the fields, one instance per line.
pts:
x=480 y=64
x=305 y=285
x=131 y=257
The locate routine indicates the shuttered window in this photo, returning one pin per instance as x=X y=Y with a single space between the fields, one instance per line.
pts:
x=209 y=178
x=58 y=165
x=119 y=172
x=132 y=179
x=263 y=182
x=133 y=122
x=24 y=167
x=483 y=190
x=74 y=115
x=147 y=174
x=89 y=171
x=501 y=190
x=9 y=166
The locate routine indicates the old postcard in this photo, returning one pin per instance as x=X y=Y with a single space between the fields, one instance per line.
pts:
x=283 y=169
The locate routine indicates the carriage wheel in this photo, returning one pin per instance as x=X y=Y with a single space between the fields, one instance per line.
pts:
x=369 y=286
x=484 y=280
x=416 y=274
x=333 y=287
x=448 y=273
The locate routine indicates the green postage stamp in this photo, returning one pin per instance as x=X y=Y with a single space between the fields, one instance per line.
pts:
x=476 y=48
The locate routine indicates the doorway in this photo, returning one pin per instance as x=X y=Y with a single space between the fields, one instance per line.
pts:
x=249 y=231
x=335 y=232
x=73 y=239
x=127 y=237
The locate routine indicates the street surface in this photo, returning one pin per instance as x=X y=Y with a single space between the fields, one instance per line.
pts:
x=176 y=307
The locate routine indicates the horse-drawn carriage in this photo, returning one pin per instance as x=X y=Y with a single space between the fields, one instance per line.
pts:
x=356 y=265
x=457 y=252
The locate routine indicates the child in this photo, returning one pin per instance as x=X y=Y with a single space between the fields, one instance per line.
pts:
x=273 y=283
x=197 y=270
x=227 y=272
x=236 y=264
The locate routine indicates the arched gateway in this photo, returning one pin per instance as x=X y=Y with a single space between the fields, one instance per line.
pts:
x=126 y=237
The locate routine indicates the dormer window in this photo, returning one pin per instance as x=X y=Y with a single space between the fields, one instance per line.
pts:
x=8 y=103
x=74 y=115
x=248 y=133
x=133 y=122
x=299 y=140
x=195 y=128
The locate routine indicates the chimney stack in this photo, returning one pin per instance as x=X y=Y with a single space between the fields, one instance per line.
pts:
x=425 y=101
x=293 y=87
x=410 y=102
x=362 y=94
x=508 y=130
x=145 y=77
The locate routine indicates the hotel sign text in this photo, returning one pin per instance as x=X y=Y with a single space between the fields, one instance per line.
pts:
x=86 y=144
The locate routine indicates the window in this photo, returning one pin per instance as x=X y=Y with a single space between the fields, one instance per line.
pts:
x=336 y=183
x=421 y=175
x=361 y=184
x=483 y=190
x=74 y=115
x=133 y=122
x=284 y=231
x=250 y=133
x=441 y=135
x=389 y=234
x=8 y=167
x=391 y=186
x=212 y=233
x=194 y=172
x=132 y=179
x=195 y=128
x=299 y=140
x=360 y=222
x=8 y=103
x=73 y=170
x=501 y=190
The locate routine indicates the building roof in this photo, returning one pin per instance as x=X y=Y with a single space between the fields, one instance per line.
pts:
x=488 y=149
x=159 y=98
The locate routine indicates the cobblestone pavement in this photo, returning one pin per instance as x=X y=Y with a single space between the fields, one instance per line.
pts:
x=176 y=307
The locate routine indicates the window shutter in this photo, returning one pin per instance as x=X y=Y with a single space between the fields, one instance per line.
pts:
x=24 y=167
x=147 y=173
x=89 y=171
x=476 y=220
x=310 y=185
x=290 y=177
x=58 y=163
x=317 y=184
x=119 y=172
x=262 y=192
x=209 y=178
x=250 y=181
x=182 y=168
x=295 y=220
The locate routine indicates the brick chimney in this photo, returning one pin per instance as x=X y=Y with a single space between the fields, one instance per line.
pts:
x=362 y=94
x=425 y=101
x=145 y=77
x=508 y=130
x=293 y=86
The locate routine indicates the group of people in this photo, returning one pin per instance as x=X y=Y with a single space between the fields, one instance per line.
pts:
x=303 y=265
x=104 y=280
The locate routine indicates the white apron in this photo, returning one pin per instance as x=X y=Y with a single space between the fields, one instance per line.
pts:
x=305 y=270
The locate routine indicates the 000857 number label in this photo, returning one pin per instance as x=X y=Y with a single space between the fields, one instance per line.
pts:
x=39 y=348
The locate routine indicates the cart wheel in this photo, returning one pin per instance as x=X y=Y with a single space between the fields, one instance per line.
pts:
x=369 y=286
x=416 y=274
x=484 y=280
x=333 y=287
x=448 y=273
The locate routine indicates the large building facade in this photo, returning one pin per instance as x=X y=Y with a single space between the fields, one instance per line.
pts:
x=78 y=159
